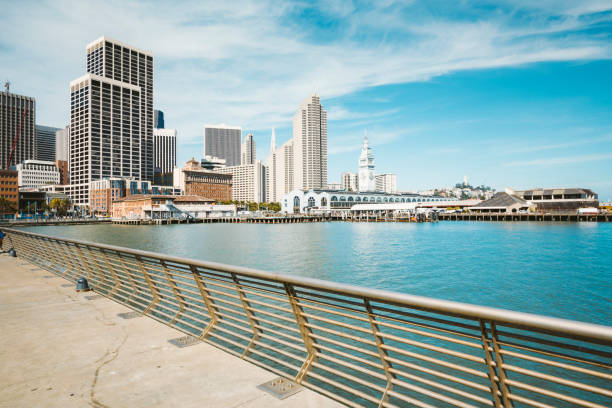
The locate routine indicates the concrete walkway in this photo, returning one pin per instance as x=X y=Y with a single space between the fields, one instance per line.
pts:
x=58 y=349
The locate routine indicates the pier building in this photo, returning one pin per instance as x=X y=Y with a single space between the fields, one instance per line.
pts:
x=301 y=201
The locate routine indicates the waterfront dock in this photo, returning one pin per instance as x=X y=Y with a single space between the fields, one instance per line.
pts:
x=230 y=220
x=60 y=349
x=526 y=217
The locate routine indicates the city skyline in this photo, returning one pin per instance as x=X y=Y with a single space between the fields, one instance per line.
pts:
x=513 y=95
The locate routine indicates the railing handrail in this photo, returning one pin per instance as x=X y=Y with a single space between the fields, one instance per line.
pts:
x=571 y=328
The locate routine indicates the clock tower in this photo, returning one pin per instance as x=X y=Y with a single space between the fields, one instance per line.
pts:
x=366 y=168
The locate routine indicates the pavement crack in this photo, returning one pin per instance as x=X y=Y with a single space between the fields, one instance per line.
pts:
x=107 y=358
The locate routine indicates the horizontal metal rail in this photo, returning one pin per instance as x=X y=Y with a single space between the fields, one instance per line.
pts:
x=359 y=346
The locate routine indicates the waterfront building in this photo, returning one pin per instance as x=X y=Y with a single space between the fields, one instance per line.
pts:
x=502 y=202
x=12 y=108
x=248 y=153
x=62 y=166
x=103 y=192
x=194 y=180
x=200 y=208
x=386 y=183
x=36 y=173
x=62 y=144
x=158 y=119
x=223 y=141
x=45 y=142
x=559 y=199
x=120 y=62
x=350 y=181
x=326 y=201
x=248 y=181
x=335 y=186
x=9 y=188
x=367 y=183
x=151 y=207
x=213 y=163
x=310 y=145
x=164 y=148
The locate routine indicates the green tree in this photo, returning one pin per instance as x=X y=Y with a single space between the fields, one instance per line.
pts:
x=253 y=206
x=276 y=207
x=5 y=206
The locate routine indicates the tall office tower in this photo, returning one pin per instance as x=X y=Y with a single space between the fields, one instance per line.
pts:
x=45 y=143
x=279 y=171
x=129 y=66
x=366 y=168
x=350 y=181
x=158 y=119
x=223 y=141
x=386 y=183
x=164 y=147
x=12 y=108
x=105 y=133
x=248 y=150
x=248 y=181
x=62 y=144
x=310 y=145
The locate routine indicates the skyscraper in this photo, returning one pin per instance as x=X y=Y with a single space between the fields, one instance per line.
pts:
x=12 y=108
x=350 y=181
x=158 y=119
x=248 y=154
x=62 y=144
x=105 y=133
x=128 y=65
x=386 y=183
x=164 y=147
x=45 y=143
x=279 y=170
x=366 y=168
x=223 y=141
x=310 y=145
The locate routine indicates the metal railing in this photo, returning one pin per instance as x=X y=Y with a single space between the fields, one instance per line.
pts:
x=359 y=346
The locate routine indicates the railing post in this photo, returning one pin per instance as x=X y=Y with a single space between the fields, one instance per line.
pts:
x=210 y=305
x=500 y=369
x=253 y=322
x=381 y=352
x=175 y=291
x=491 y=371
x=152 y=288
x=111 y=268
x=305 y=331
x=83 y=262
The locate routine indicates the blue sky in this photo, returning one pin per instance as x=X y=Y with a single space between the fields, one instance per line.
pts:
x=508 y=93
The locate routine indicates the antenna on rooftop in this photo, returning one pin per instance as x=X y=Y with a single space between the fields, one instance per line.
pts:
x=7 y=85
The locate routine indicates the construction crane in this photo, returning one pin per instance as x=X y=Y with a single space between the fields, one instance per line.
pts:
x=25 y=112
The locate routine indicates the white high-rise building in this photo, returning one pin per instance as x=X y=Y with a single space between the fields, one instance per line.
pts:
x=350 y=181
x=62 y=144
x=164 y=149
x=248 y=181
x=248 y=154
x=310 y=145
x=386 y=183
x=279 y=170
x=366 y=168
x=223 y=141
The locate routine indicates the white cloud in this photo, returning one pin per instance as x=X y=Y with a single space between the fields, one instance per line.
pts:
x=248 y=63
x=556 y=161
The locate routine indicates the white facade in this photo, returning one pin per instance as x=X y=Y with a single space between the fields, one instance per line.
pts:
x=164 y=149
x=202 y=211
x=310 y=145
x=366 y=168
x=335 y=186
x=248 y=154
x=279 y=171
x=62 y=144
x=323 y=201
x=248 y=181
x=350 y=181
x=386 y=183
x=37 y=173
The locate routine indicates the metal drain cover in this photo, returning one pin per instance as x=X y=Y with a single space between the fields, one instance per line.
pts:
x=93 y=297
x=129 y=315
x=184 y=341
x=280 y=387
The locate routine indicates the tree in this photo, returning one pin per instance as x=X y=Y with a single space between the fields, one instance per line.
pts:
x=253 y=206
x=276 y=207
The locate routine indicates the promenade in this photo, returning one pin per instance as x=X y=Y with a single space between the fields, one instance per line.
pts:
x=60 y=349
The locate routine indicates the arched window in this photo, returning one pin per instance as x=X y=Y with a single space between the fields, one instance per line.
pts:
x=296 y=201
x=378 y=200
x=350 y=199
x=385 y=200
x=324 y=202
x=358 y=199
x=334 y=198
x=311 y=202
x=365 y=199
x=403 y=200
x=342 y=198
